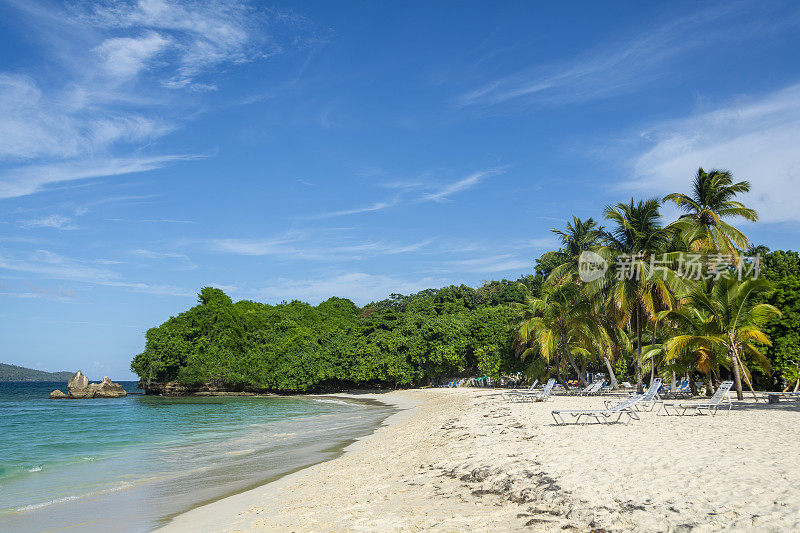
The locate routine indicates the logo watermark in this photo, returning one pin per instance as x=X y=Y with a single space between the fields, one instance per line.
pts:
x=693 y=266
x=591 y=266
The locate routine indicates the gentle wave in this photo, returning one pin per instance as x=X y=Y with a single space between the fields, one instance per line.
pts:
x=35 y=506
x=37 y=468
x=340 y=402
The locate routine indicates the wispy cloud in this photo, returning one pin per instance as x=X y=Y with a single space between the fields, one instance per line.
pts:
x=54 y=266
x=755 y=138
x=30 y=179
x=377 y=206
x=416 y=191
x=168 y=221
x=31 y=291
x=121 y=67
x=183 y=260
x=52 y=221
x=37 y=125
x=443 y=193
x=300 y=247
x=492 y=263
x=50 y=265
x=631 y=63
x=194 y=36
x=125 y=57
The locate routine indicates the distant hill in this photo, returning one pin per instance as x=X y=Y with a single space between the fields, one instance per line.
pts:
x=19 y=373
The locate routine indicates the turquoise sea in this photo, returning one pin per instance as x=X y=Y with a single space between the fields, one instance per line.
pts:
x=129 y=464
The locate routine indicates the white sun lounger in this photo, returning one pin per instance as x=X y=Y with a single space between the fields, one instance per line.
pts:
x=581 y=392
x=536 y=396
x=697 y=408
x=593 y=389
x=601 y=416
x=648 y=400
x=609 y=387
x=510 y=395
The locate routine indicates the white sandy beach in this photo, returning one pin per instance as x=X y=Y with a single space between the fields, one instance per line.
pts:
x=465 y=460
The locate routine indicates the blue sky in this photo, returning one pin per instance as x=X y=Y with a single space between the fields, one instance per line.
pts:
x=310 y=149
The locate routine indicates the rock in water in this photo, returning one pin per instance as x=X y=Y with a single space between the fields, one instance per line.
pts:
x=58 y=395
x=108 y=389
x=78 y=386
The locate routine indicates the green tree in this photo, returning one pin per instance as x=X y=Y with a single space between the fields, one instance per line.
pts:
x=728 y=318
x=636 y=291
x=710 y=202
x=782 y=270
x=579 y=237
x=561 y=324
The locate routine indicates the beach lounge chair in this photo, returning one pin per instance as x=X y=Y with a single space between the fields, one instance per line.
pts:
x=536 y=396
x=594 y=388
x=682 y=390
x=601 y=416
x=608 y=387
x=648 y=400
x=511 y=395
x=697 y=408
x=580 y=392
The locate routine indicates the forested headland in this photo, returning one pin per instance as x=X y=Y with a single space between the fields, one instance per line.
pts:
x=19 y=373
x=654 y=317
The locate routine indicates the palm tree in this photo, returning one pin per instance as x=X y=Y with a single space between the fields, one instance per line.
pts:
x=579 y=237
x=640 y=291
x=727 y=319
x=712 y=200
x=561 y=324
x=700 y=359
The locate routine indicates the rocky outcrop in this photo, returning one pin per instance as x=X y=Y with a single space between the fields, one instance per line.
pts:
x=107 y=389
x=79 y=387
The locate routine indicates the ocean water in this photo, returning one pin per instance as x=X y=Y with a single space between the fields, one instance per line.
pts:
x=129 y=464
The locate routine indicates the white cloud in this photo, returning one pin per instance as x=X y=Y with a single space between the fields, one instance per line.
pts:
x=52 y=221
x=493 y=263
x=127 y=56
x=31 y=291
x=756 y=139
x=101 y=105
x=33 y=126
x=200 y=34
x=29 y=179
x=182 y=260
x=377 y=206
x=470 y=181
x=299 y=247
x=360 y=287
x=54 y=266
x=635 y=61
x=50 y=265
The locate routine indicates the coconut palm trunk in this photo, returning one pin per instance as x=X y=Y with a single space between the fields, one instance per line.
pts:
x=639 y=383
x=611 y=372
x=734 y=357
x=568 y=353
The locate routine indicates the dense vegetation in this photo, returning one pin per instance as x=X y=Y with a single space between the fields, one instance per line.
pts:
x=663 y=320
x=295 y=346
x=19 y=373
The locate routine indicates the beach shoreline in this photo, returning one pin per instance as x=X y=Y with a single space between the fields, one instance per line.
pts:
x=213 y=515
x=456 y=460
